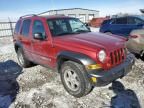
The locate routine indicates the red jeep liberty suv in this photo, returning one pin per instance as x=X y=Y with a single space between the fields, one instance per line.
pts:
x=83 y=58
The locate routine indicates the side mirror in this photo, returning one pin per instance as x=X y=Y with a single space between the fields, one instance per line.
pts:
x=38 y=36
x=86 y=24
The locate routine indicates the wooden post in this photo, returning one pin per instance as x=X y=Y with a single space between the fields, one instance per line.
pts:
x=11 y=27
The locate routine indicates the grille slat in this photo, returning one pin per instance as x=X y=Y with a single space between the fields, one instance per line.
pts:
x=117 y=56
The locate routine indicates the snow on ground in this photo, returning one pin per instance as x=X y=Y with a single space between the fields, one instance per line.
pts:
x=6 y=49
x=6 y=45
x=40 y=87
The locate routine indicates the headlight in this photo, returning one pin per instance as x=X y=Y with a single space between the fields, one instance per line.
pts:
x=102 y=56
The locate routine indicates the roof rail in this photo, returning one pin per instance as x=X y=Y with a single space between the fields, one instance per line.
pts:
x=29 y=15
x=41 y=14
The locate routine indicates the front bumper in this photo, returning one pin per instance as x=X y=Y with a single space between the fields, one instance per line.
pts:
x=105 y=77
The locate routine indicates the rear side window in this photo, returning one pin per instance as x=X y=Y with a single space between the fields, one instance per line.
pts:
x=17 y=27
x=26 y=27
x=121 y=21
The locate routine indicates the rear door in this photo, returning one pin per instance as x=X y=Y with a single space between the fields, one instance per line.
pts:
x=41 y=48
x=24 y=37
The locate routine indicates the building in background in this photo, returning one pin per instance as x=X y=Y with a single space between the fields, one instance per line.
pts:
x=84 y=15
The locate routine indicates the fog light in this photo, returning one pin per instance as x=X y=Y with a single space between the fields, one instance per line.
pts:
x=95 y=66
x=94 y=79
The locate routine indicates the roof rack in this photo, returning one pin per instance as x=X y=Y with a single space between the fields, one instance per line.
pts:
x=51 y=15
x=29 y=15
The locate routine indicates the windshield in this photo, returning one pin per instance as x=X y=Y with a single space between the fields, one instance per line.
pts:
x=142 y=17
x=64 y=26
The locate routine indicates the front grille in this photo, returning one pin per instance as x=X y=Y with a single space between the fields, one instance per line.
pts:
x=117 y=56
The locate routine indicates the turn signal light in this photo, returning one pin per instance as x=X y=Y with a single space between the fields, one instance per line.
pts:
x=95 y=66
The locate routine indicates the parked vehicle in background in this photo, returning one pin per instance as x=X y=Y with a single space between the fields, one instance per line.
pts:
x=83 y=59
x=135 y=44
x=122 y=26
x=96 y=22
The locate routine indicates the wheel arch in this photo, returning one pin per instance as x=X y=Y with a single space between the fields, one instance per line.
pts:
x=72 y=56
x=17 y=45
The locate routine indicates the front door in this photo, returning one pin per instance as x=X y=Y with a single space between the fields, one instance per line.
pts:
x=41 y=47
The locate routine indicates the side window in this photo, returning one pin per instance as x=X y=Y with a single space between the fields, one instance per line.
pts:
x=26 y=27
x=121 y=21
x=17 y=27
x=38 y=28
x=113 y=21
x=131 y=20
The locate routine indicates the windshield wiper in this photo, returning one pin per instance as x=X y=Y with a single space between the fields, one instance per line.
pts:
x=82 y=31
x=64 y=33
x=76 y=32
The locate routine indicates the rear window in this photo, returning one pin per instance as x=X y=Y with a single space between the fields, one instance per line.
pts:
x=26 y=27
x=17 y=27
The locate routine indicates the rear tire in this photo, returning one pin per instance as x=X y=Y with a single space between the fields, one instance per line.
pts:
x=23 y=61
x=74 y=79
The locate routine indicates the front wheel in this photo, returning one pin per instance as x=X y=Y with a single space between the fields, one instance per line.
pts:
x=74 y=79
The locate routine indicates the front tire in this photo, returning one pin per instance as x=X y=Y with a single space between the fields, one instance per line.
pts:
x=74 y=79
x=23 y=62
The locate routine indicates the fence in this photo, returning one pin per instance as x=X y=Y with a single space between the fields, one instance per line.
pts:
x=6 y=29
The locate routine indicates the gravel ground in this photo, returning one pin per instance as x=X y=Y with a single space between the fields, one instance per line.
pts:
x=40 y=87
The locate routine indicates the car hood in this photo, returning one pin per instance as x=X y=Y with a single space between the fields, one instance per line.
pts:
x=90 y=41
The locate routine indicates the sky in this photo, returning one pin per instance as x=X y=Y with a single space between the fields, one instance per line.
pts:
x=16 y=8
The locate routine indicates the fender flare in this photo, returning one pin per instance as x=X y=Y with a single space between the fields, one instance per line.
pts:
x=76 y=57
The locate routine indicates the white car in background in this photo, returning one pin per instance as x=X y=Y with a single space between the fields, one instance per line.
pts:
x=135 y=44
